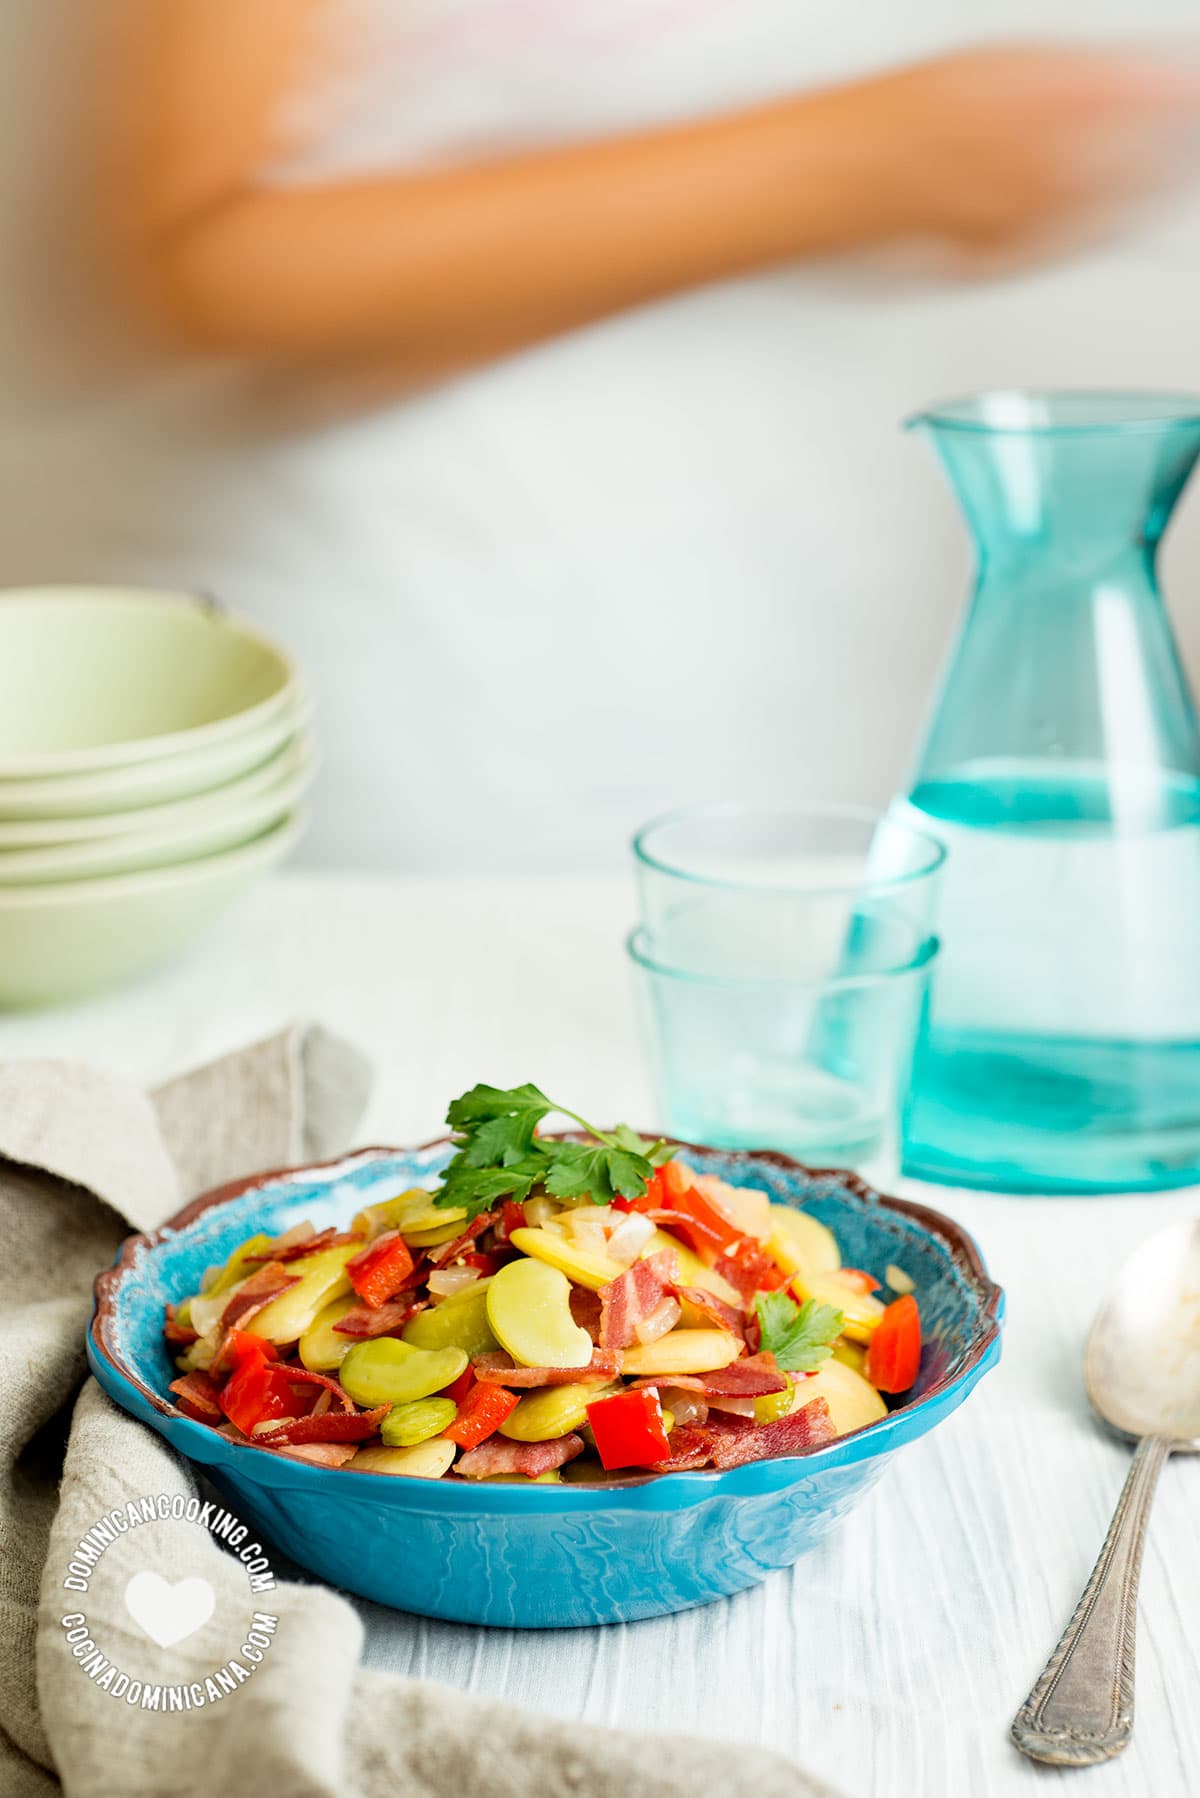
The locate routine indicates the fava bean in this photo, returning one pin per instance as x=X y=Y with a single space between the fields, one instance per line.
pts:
x=529 y=1310
x=554 y=1411
x=386 y=1371
x=322 y=1349
x=322 y=1278
x=800 y=1244
x=406 y=1425
x=682 y=1351
x=425 y=1461
x=460 y=1321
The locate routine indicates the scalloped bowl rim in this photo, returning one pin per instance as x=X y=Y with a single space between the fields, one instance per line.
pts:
x=677 y=1490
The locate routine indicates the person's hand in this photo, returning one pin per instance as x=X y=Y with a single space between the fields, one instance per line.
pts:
x=1020 y=151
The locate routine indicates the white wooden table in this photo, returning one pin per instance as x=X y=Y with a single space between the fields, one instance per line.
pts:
x=891 y=1659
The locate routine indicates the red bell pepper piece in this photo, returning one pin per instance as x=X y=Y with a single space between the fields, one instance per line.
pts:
x=894 y=1354
x=702 y=1223
x=458 y=1389
x=252 y=1391
x=629 y=1429
x=381 y=1270
x=238 y=1346
x=487 y=1264
x=480 y=1415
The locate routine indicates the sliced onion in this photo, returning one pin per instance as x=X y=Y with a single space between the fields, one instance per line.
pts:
x=685 y=1407
x=206 y=1312
x=740 y=1407
x=664 y=1317
x=630 y=1238
x=445 y=1280
x=586 y=1230
x=898 y=1280
x=271 y=1423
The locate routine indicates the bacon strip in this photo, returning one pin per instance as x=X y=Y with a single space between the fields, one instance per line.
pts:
x=632 y=1296
x=362 y=1321
x=322 y=1454
x=197 y=1396
x=333 y=1426
x=499 y=1455
x=585 y=1309
x=256 y=1293
x=446 y=1252
x=747 y=1378
x=295 y=1251
x=750 y=1377
x=745 y=1270
x=501 y=1370
x=735 y=1441
x=689 y=1448
x=304 y=1376
x=714 y=1309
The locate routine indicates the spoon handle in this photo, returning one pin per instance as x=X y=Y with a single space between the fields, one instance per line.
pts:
x=1081 y=1709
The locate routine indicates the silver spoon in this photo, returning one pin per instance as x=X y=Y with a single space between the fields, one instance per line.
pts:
x=1142 y=1370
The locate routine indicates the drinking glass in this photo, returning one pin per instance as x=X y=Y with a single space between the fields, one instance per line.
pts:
x=746 y=890
x=815 y=1065
x=783 y=964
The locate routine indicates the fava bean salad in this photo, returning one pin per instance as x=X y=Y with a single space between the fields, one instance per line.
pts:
x=555 y=1309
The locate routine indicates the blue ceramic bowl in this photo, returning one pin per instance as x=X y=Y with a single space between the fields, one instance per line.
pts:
x=524 y=1555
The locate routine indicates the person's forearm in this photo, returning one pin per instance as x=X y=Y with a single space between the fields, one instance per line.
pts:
x=450 y=267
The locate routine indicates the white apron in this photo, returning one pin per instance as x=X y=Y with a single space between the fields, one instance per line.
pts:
x=684 y=553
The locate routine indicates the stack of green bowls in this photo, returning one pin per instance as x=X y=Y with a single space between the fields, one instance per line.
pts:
x=154 y=756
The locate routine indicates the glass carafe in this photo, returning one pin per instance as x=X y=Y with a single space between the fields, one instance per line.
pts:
x=1061 y=770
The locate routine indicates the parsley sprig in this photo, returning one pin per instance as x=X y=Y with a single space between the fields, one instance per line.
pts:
x=800 y=1337
x=500 y=1155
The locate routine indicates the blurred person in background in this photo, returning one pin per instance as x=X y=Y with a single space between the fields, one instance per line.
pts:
x=532 y=368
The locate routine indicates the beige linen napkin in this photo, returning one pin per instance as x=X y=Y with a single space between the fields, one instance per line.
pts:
x=82 y=1158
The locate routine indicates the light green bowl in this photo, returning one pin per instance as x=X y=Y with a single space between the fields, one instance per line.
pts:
x=173 y=777
x=208 y=829
x=95 y=678
x=294 y=758
x=71 y=940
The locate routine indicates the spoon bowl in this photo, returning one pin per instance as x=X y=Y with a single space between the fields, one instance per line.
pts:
x=1142 y=1360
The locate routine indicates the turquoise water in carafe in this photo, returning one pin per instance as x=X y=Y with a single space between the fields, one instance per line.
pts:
x=1045 y=1052
x=1061 y=771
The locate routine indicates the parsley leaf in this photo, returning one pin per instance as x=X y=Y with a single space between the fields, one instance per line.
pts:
x=583 y=1170
x=653 y=1152
x=484 y=1103
x=799 y=1336
x=477 y=1189
x=500 y=1154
